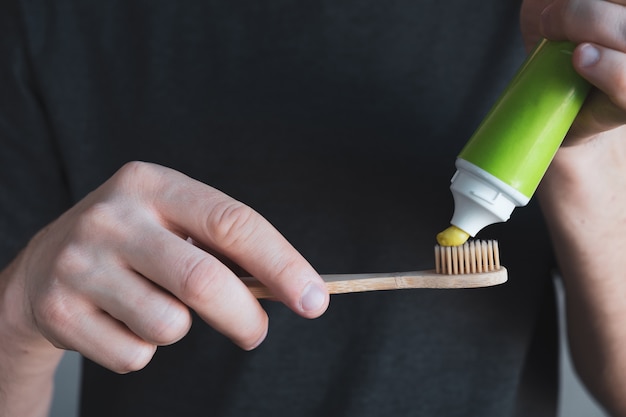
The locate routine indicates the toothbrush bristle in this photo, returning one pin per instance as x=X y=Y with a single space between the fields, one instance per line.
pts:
x=475 y=256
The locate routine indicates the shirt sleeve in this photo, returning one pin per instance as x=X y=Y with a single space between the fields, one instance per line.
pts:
x=32 y=187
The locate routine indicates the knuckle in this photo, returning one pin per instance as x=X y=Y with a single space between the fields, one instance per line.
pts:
x=55 y=318
x=572 y=9
x=567 y=14
x=101 y=220
x=230 y=222
x=78 y=253
x=71 y=261
x=135 y=358
x=170 y=325
x=53 y=311
x=252 y=336
x=200 y=281
x=136 y=169
x=136 y=178
x=287 y=267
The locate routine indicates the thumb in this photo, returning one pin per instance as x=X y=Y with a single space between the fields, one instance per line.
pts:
x=599 y=114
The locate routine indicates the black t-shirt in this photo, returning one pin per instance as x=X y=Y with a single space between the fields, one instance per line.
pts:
x=337 y=120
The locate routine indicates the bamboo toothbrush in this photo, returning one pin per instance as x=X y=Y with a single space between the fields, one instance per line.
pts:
x=473 y=265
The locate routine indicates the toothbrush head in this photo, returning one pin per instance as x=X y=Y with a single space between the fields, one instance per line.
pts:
x=475 y=256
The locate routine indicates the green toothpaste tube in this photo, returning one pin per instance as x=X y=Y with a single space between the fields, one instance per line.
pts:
x=503 y=162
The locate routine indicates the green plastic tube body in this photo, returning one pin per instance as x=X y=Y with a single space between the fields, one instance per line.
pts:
x=520 y=135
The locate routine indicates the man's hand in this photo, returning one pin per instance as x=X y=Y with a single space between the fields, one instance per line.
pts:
x=583 y=195
x=115 y=276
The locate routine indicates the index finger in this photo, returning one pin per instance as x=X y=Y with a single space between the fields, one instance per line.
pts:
x=244 y=236
x=600 y=22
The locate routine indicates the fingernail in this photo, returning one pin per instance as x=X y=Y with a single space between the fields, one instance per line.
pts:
x=313 y=298
x=544 y=20
x=588 y=55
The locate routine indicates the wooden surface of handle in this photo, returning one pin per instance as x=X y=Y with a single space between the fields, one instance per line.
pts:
x=347 y=283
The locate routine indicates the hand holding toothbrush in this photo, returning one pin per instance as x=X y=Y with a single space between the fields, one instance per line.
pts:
x=115 y=276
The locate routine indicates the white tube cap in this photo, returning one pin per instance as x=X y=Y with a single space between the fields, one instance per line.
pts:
x=481 y=199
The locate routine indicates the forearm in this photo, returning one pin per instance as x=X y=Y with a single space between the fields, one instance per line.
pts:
x=584 y=200
x=27 y=363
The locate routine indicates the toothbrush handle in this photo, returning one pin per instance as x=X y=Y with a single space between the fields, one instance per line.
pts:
x=348 y=283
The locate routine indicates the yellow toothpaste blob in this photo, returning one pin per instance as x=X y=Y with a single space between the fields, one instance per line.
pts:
x=452 y=236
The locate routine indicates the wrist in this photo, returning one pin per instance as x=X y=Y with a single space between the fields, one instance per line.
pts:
x=27 y=360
